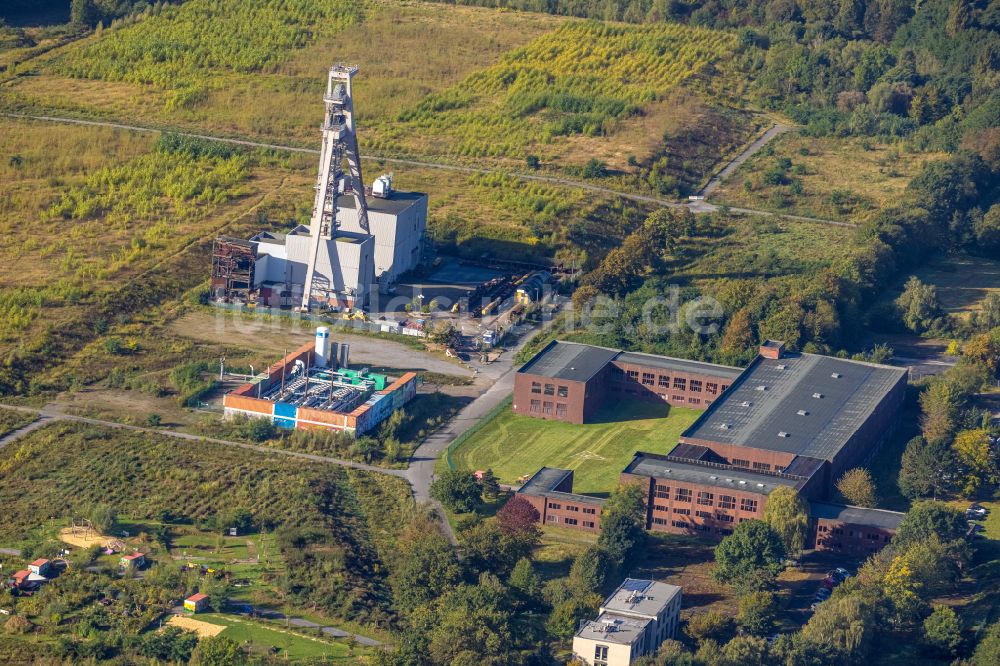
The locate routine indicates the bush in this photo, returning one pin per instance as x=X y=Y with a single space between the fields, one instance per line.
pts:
x=943 y=631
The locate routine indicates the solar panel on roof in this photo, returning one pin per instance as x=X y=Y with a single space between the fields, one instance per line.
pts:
x=633 y=585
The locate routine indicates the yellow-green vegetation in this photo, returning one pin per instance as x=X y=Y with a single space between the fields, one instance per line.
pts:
x=292 y=643
x=962 y=281
x=333 y=528
x=514 y=446
x=11 y=420
x=581 y=79
x=838 y=179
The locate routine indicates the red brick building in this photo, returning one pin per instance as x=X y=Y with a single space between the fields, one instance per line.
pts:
x=571 y=382
x=550 y=491
x=797 y=420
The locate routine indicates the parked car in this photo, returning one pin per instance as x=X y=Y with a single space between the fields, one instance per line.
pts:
x=830 y=582
x=842 y=573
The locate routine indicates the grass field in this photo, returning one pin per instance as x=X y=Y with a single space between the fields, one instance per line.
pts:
x=839 y=179
x=11 y=420
x=962 y=281
x=292 y=644
x=513 y=445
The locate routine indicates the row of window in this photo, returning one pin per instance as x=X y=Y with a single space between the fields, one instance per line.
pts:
x=663 y=381
x=569 y=507
x=725 y=531
x=546 y=407
x=838 y=531
x=550 y=389
x=705 y=498
x=756 y=466
x=573 y=522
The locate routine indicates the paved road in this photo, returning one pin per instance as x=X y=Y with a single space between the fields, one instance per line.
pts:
x=777 y=130
x=695 y=207
x=21 y=432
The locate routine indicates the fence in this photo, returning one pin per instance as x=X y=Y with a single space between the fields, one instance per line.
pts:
x=492 y=414
x=333 y=321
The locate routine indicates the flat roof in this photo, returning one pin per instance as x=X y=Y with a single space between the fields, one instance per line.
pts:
x=394 y=205
x=544 y=480
x=803 y=404
x=613 y=628
x=574 y=361
x=856 y=515
x=706 y=474
x=569 y=360
x=669 y=363
x=642 y=597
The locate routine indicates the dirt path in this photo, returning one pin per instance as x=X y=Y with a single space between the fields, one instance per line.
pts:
x=776 y=130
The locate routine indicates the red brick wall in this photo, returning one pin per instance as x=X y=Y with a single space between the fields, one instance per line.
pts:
x=855 y=540
x=557 y=407
x=731 y=452
x=670 y=386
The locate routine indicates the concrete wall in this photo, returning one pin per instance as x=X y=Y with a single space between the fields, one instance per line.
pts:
x=398 y=236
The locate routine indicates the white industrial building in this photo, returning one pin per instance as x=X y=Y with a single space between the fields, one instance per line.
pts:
x=343 y=270
x=633 y=622
x=398 y=220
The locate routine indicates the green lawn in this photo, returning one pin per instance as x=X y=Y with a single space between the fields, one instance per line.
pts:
x=294 y=644
x=514 y=445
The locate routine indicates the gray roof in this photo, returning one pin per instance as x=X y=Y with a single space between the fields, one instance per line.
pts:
x=804 y=404
x=640 y=597
x=682 y=365
x=569 y=360
x=707 y=474
x=544 y=480
x=394 y=205
x=613 y=628
x=856 y=515
x=578 y=362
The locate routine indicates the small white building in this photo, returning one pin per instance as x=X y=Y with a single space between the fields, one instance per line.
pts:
x=633 y=622
x=398 y=220
x=344 y=267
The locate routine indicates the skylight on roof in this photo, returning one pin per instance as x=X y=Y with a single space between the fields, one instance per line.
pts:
x=745 y=403
x=802 y=412
x=781 y=366
x=723 y=426
x=817 y=395
x=761 y=388
x=783 y=434
x=835 y=375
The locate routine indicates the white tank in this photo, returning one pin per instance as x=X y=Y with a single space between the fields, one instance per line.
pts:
x=322 y=354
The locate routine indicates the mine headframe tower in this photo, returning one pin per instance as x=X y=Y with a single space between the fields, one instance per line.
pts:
x=340 y=143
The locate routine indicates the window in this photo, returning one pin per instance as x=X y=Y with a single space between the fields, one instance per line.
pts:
x=536 y=387
x=659 y=521
x=705 y=499
x=589 y=510
x=570 y=521
x=682 y=495
x=536 y=406
x=739 y=462
x=550 y=389
x=664 y=381
x=561 y=409
x=694 y=401
x=662 y=492
x=554 y=505
x=695 y=386
x=633 y=374
x=724 y=517
x=703 y=514
x=601 y=654
x=748 y=505
x=648 y=378
x=762 y=467
x=712 y=388
x=661 y=507
x=547 y=407
x=680 y=384
x=553 y=519
x=679 y=523
x=873 y=537
x=682 y=512
x=821 y=528
x=616 y=371
x=727 y=502
x=724 y=387
x=724 y=531
x=563 y=391
x=589 y=524
x=570 y=507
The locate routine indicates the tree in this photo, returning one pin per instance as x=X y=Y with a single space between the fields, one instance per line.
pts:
x=83 y=13
x=846 y=623
x=488 y=547
x=750 y=558
x=988 y=651
x=525 y=580
x=425 y=566
x=857 y=487
x=918 y=305
x=788 y=515
x=103 y=517
x=924 y=467
x=457 y=490
x=933 y=520
x=974 y=454
x=712 y=625
x=943 y=630
x=518 y=515
x=217 y=651
x=940 y=403
x=590 y=571
x=623 y=523
x=756 y=613
x=987 y=230
x=491 y=485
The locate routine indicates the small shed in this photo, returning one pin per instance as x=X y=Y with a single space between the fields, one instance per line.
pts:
x=40 y=567
x=133 y=561
x=196 y=603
